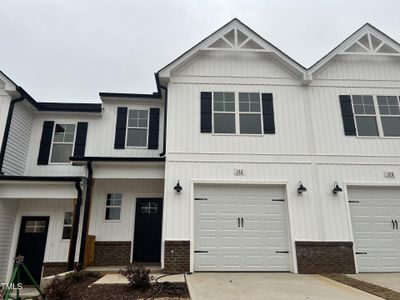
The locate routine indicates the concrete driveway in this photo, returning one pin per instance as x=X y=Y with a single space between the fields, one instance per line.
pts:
x=274 y=286
x=387 y=280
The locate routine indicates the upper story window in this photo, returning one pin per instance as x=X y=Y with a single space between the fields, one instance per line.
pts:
x=63 y=143
x=113 y=206
x=224 y=112
x=250 y=113
x=376 y=115
x=228 y=119
x=137 y=129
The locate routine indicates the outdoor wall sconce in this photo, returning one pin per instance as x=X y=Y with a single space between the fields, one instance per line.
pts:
x=336 y=188
x=177 y=187
x=301 y=189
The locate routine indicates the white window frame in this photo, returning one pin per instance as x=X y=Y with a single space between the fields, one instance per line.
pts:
x=52 y=143
x=237 y=114
x=147 y=128
x=112 y=206
x=251 y=113
x=67 y=225
x=377 y=116
x=387 y=116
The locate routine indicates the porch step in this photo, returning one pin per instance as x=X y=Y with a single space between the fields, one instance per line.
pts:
x=154 y=268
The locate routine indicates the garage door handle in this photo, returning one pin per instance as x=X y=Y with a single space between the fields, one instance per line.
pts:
x=393 y=224
x=242 y=222
x=397 y=225
x=238 y=222
x=363 y=253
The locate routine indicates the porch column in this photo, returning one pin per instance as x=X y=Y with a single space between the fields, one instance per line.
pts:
x=75 y=227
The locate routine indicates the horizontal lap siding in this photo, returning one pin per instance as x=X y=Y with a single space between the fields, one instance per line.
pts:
x=18 y=140
x=8 y=212
x=4 y=105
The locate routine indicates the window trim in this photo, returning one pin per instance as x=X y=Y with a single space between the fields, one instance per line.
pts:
x=64 y=225
x=106 y=206
x=236 y=113
x=52 y=143
x=378 y=116
x=147 y=128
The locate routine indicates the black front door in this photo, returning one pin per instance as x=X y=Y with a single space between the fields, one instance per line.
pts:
x=148 y=222
x=32 y=244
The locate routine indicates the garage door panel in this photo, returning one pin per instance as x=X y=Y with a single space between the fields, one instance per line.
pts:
x=251 y=247
x=374 y=236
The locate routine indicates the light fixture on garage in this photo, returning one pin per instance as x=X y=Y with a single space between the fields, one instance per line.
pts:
x=336 y=188
x=177 y=187
x=301 y=189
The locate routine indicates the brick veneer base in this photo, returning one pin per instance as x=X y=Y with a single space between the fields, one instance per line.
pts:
x=53 y=268
x=112 y=253
x=177 y=256
x=325 y=257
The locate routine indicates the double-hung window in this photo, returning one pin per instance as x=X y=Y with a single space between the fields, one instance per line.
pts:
x=113 y=206
x=67 y=226
x=224 y=112
x=390 y=115
x=365 y=115
x=63 y=143
x=377 y=115
x=250 y=113
x=228 y=119
x=138 y=123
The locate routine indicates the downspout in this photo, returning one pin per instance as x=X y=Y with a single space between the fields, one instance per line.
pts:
x=75 y=227
x=165 y=121
x=8 y=125
x=86 y=213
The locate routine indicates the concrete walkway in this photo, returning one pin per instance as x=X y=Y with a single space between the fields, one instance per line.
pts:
x=387 y=280
x=221 y=286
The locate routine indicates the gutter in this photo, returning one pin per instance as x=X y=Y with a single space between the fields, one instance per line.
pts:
x=75 y=227
x=162 y=154
x=8 y=125
x=86 y=214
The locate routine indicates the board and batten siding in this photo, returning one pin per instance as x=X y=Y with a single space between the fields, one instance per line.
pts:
x=18 y=140
x=123 y=229
x=361 y=67
x=289 y=113
x=8 y=213
x=101 y=132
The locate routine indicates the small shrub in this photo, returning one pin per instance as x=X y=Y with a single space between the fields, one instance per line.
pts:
x=58 y=289
x=81 y=276
x=138 y=276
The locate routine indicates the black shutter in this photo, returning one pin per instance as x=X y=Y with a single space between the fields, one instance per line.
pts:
x=120 y=130
x=80 y=140
x=268 y=113
x=206 y=111
x=347 y=115
x=45 y=143
x=154 y=125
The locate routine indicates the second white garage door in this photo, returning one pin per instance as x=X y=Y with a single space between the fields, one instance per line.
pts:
x=375 y=214
x=240 y=228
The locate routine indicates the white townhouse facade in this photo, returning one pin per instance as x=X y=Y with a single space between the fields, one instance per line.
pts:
x=243 y=160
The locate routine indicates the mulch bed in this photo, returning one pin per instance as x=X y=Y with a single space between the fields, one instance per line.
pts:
x=86 y=290
x=370 y=288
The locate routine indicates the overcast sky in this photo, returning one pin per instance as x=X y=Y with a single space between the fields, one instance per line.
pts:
x=69 y=50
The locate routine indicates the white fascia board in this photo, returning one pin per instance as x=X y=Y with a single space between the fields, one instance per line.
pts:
x=37 y=190
x=282 y=58
x=367 y=28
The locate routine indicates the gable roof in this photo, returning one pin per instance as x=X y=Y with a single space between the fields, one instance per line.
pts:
x=224 y=39
x=367 y=40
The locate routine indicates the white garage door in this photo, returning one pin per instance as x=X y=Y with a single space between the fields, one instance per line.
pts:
x=240 y=228
x=375 y=214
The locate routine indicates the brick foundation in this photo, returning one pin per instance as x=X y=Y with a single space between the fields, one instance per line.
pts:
x=325 y=257
x=177 y=256
x=53 y=268
x=112 y=253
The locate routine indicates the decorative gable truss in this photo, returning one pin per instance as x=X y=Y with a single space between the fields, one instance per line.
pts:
x=236 y=40
x=371 y=45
